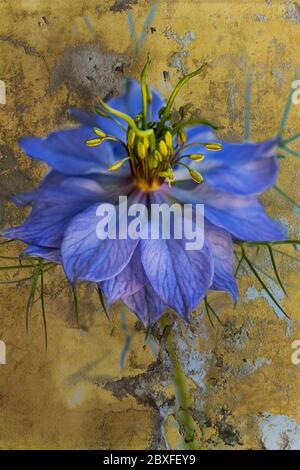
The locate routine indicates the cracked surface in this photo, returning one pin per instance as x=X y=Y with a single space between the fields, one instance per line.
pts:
x=92 y=390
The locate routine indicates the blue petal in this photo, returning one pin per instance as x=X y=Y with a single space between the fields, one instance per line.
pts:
x=95 y=120
x=180 y=277
x=51 y=254
x=242 y=216
x=127 y=282
x=110 y=183
x=85 y=256
x=53 y=209
x=130 y=102
x=146 y=304
x=250 y=178
x=232 y=153
x=222 y=252
x=66 y=151
x=52 y=179
x=245 y=168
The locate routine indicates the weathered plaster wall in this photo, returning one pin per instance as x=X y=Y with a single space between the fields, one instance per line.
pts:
x=246 y=390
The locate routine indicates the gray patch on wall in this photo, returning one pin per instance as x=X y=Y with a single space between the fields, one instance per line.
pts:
x=292 y=12
x=89 y=71
x=177 y=60
x=122 y=5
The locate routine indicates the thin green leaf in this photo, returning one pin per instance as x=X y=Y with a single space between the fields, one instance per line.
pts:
x=238 y=265
x=294 y=258
x=247 y=106
x=286 y=196
x=274 y=242
x=291 y=151
x=276 y=270
x=16 y=280
x=75 y=302
x=263 y=284
x=103 y=303
x=7 y=241
x=30 y=301
x=208 y=312
x=285 y=113
x=291 y=139
x=18 y=266
x=43 y=304
x=280 y=156
x=273 y=279
x=213 y=312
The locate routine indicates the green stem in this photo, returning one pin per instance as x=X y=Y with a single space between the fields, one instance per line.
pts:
x=291 y=139
x=183 y=416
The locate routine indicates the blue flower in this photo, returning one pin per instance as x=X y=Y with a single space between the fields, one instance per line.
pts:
x=147 y=275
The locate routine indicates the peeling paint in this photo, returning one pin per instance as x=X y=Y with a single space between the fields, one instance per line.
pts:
x=177 y=59
x=292 y=12
x=279 y=432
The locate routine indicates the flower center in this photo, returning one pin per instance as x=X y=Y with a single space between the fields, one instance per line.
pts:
x=147 y=186
x=154 y=148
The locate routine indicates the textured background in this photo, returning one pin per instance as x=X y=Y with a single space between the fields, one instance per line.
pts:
x=102 y=385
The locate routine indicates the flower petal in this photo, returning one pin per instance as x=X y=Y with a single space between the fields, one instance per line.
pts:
x=250 y=178
x=95 y=120
x=130 y=102
x=181 y=277
x=128 y=281
x=53 y=209
x=222 y=252
x=85 y=256
x=242 y=216
x=66 y=151
x=240 y=168
x=51 y=254
x=146 y=304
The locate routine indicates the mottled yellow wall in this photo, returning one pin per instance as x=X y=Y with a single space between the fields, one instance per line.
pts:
x=76 y=395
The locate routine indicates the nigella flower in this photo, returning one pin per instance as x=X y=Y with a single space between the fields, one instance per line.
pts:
x=130 y=148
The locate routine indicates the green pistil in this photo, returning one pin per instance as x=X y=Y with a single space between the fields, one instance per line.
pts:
x=145 y=92
x=149 y=146
x=180 y=84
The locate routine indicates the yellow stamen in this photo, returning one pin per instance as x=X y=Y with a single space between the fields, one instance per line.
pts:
x=93 y=142
x=181 y=137
x=118 y=164
x=146 y=143
x=163 y=148
x=168 y=139
x=99 y=132
x=197 y=157
x=196 y=176
x=213 y=146
x=158 y=156
x=141 y=150
x=131 y=138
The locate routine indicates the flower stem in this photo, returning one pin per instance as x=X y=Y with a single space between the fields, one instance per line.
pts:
x=183 y=416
